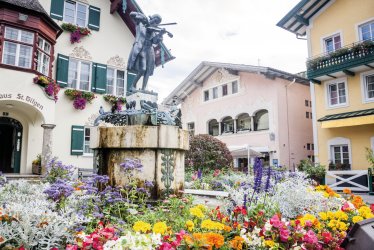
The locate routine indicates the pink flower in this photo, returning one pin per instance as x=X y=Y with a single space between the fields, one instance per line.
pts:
x=327 y=237
x=71 y=247
x=284 y=234
x=275 y=222
x=310 y=237
x=216 y=172
x=194 y=177
x=308 y=223
x=166 y=246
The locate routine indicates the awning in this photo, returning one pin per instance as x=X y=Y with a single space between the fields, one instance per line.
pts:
x=237 y=151
x=354 y=118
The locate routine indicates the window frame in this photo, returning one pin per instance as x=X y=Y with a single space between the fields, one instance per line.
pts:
x=206 y=95
x=364 y=90
x=341 y=152
x=214 y=93
x=191 y=131
x=359 y=27
x=332 y=37
x=336 y=141
x=232 y=87
x=90 y=153
x=327 y=91
x=44 y=54
x=115 y=80
x=78 y=85
x=18 y=44
x=76 y=3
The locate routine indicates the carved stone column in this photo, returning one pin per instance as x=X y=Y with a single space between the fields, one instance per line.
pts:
x=252 y=123
x=235 y=125
x=47 y=145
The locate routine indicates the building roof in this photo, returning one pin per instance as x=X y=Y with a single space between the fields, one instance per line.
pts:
x=33 y=6
x=297 y=20
x=345 y=115
x=133 y=6
x=205 y=69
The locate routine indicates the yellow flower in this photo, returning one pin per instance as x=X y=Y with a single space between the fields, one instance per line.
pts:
x=342 y=226
x=160 y=228
x=330 y=215
x=356 y=219
x=196 y=211
x=190 y=225
x=365 y=212
x=212 y=225
x=269 y=243
x=323 y=215
x=340 y=215
x=141 y=226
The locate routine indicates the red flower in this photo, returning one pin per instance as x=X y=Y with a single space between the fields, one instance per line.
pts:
x=327 y=237
x=372 y=208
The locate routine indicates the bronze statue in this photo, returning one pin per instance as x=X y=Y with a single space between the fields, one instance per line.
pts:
x=142 y=56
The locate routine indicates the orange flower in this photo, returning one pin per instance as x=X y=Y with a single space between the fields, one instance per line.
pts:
x=347 y=191
x=214 y=239
x=237 y=243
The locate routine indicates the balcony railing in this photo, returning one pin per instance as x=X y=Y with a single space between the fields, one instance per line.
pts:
x=347 y=57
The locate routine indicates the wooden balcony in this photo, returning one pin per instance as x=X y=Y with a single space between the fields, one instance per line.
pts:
x=347 y=60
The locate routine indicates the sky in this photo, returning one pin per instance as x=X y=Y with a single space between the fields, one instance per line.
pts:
x=227 y=31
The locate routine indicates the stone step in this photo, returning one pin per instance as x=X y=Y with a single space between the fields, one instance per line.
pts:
x=28 y=177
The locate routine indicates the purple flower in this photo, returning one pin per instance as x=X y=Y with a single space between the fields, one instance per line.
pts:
x=258 y=175
x=79 y=103
x=49 y=89
x=132 y=164
x=75 y=37
x=59 y=190
x=148 y=184
x=268 y=177
x=199 y=174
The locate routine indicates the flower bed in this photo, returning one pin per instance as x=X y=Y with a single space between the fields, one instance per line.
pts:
x=268 y=210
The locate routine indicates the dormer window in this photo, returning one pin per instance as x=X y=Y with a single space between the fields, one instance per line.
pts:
x=18 y=46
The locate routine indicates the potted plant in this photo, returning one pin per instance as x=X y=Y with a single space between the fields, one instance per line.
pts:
x=37 y=165
x=314 y=171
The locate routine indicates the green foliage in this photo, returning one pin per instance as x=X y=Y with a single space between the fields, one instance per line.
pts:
x=370 y=156
x=312 y=170
x=207 y=153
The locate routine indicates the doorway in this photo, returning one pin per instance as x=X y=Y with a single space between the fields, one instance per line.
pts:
x=10 y=145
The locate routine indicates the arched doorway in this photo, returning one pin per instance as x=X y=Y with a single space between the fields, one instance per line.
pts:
x=11 y=132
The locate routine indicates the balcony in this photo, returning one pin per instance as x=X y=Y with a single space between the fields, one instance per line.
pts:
x=347 y=60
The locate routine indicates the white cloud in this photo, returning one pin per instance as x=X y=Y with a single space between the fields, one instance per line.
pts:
x=230 y=31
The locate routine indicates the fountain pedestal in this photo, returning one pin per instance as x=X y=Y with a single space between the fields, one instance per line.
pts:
x=160 y=148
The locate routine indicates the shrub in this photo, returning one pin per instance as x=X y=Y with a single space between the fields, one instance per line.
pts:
x=206 y=153
x=312 y=170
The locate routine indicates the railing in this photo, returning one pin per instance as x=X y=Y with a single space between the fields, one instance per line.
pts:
x=352 y=55
x=356 y=180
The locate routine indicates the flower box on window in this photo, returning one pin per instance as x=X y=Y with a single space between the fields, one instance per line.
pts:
x=80 y=98
x=116 y=101
x=49 y=86
x=76 y=32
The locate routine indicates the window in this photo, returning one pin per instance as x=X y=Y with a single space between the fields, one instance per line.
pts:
x=234 y=87
x=306 y=103
x=308 y=146
x=18 y=47
x=340 y=154
x=79 y=75
x=206 y=95
x=367 y=31
x=213 y=127
x=215 y=92
x=368 y=87
x=224 y=90
x=332 y=43
x=115 y=82
x=337 y=94
x=86 y=147
x=310 y=103
x=44 y=51
x=261 y=120
x=228 y=125
x=243 y=122
x=307 y=114
x=76 y=13
x=312 y=146
x=311 y=115
x=191 y=128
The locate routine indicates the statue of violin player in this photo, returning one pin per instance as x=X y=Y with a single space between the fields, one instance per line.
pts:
x=141 y=61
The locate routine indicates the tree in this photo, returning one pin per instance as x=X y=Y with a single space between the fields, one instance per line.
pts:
x=207 y=153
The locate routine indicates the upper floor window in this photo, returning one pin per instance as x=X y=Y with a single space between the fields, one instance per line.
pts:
x=115 y=82
x=44 y=51
x=76 y=13
x=367 y=31
x=224 y=90
x=337 y=94
x=86 y=144
x=206 y=95
x=243 y=122
x=191 y=128
x=79 y=74
x=215 y=92
x=227 y=125
x=261 y=120
x=306 y=103
x=213 y=127
x=18 y=47
x=234 y=87
x=368 y=86
x=332 y=43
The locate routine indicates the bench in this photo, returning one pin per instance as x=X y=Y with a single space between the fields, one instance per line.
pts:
x=84 y=173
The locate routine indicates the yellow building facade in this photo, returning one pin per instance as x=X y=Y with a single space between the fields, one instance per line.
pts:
x=340 y=67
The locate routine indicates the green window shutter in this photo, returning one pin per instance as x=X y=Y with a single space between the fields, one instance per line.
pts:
x=77 y=140
x=94 y=18
x=93 y=78
x=57 y=9
x=100 y=78
x=62 y=70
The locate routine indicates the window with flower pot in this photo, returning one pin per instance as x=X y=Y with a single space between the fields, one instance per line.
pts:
x=79 y=74
x=44 y=51
x=76 y=13
x=340 y=153
x=18 y=47
x=115 y=82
